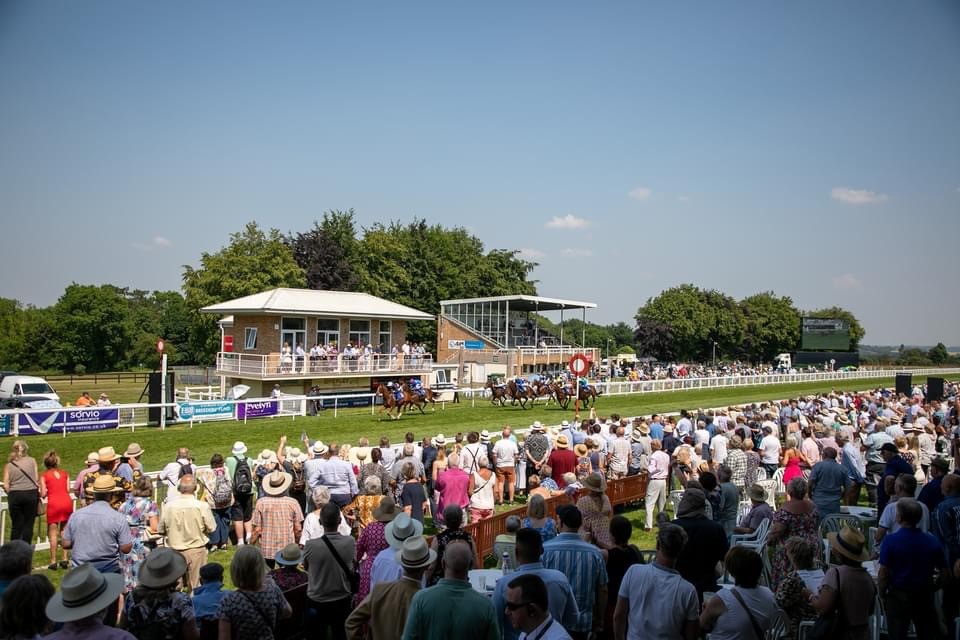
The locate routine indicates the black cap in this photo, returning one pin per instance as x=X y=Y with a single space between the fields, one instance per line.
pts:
x=889 y=446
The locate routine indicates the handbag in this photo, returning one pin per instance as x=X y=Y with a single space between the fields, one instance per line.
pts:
x=757 y=631
x=41 y=505
x=350 y=574
x=829 y=625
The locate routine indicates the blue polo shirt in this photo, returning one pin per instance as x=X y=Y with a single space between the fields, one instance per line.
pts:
x=910 y=555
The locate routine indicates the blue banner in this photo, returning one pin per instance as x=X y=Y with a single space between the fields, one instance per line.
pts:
x=5 y=422
x=205 y=410
x=78 y=419
x=473 y=344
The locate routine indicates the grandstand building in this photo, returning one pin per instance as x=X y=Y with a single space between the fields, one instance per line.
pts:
x=500 y=336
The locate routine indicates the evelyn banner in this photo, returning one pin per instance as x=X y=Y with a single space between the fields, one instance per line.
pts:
x=258 y=409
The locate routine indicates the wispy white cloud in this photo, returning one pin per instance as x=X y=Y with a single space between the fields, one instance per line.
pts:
x=568 y=221
x=641 y=193
x=576 y=253
x=846 y=282
x=531 y=254
x=683 y=198
x=857 y=196
x=156 y=242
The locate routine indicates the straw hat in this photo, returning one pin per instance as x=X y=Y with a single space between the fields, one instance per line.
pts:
x=290 y=555
x=401 y=528
x=594 y=482
x=536 y=426
x=362 y=453
x=93 y=458
x=83 y=592
x=295 y=455
x=564 y=424
x=238 y=448
x=274 y=484
x=850 y=544
x=386 y=511
x=439 y=441
x=484 y=436
x=643 y=429
x=562 y=442
x=106 y=454
x=580 y=450
x=415 y=554
x=103 y=484
x=162 y=567
x=267 y=456
x=319 y=448
x=133 y=450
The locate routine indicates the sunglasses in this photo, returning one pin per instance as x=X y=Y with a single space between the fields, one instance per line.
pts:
x=513 y=606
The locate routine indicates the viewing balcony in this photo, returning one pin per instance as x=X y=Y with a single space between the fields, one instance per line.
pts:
x=274 y=367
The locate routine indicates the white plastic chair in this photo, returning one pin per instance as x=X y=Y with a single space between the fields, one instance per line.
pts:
x=743 y=508
x=779 y=627
x=675 y=497
x=754 y=540
x=777 y=478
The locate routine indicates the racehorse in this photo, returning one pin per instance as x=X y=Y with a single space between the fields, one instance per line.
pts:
x=413 y=399
x=388 y=403
x=498 y=393
x=540 y=390
x=515 y=394
x=585 y=394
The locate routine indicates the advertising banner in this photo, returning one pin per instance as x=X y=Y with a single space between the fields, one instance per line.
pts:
x=204 y=410
x=5 y=422
x=73 y=420
x=257 y=409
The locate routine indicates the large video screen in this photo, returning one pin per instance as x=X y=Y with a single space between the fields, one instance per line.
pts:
x=831 y=334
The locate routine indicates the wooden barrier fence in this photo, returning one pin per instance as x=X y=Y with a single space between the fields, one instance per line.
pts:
x=484 y=532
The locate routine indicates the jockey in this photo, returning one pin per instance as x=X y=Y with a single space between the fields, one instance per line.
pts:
x=583 y=382
x=396 y=390
x=416 y=385
x=521 y=383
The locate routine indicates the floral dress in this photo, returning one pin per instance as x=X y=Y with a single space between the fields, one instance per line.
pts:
x=803 y=525
x=547 y=532
x=596 y=520
x=371 y=542
x=163 y=617
x=790 y=597
x=138 y=511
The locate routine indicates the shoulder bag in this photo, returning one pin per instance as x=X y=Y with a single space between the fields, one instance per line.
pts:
x=757 y=631
x=350 y=574
x=41 y=505
x=831 y=624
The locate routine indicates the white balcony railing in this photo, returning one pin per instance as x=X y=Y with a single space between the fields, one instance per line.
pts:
x=275 y=366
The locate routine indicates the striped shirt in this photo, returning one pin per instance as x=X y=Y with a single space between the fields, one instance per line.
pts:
x=583 y=564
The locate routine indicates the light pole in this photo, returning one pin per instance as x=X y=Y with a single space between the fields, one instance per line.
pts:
x=609 y=364
x=714 y=354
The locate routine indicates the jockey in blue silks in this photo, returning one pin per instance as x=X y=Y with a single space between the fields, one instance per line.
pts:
x=416 y=385
x=521 y=383
x=397 y=391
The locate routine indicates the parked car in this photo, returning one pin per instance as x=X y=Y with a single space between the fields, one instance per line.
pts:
x=29 y=402
x=16 y=385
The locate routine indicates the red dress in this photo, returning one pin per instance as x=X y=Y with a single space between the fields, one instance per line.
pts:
x=59 y=502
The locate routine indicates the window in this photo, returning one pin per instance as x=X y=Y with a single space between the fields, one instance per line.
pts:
x=385 y=333
x=328 y=331
x=250 y=338
x=293 y=332
x=359 y=332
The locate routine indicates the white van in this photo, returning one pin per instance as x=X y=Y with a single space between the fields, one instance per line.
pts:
x=15 y=386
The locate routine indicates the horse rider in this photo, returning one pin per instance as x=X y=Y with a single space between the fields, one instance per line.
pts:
x=396 y=391
x=416 y=385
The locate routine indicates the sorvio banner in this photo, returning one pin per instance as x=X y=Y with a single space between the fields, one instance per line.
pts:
x=71 y=420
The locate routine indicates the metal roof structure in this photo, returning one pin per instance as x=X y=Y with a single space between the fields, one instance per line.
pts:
x=528 y=303
x=313 y=302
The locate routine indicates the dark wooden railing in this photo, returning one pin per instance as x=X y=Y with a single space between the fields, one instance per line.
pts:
x=484 y=532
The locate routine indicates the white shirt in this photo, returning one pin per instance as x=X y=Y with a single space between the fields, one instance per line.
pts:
x=770 y=449
x=660 y=602
x=718 y=448
x=505 y=451
x=171 y=476
x=313 y=529
x=888 y=519
x=549 y=629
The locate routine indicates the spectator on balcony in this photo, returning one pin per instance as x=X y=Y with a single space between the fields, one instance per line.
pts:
x=286 y=358
x=300 y=357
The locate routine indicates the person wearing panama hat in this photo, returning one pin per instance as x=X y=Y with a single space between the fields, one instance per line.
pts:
x=385 y=566
x=97 y=533
x=759 y=512
x=84 y=596
x=849 y=550
x=596 y=511
x=288 y=574
x=391 y=600
x=157 y=579
x=277 y=517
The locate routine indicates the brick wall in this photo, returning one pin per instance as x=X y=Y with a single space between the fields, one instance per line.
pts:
x=447 y=330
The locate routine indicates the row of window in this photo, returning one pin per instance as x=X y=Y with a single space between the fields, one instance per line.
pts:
x=293 y=332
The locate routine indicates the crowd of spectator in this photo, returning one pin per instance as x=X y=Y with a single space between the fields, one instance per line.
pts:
x=329 y=540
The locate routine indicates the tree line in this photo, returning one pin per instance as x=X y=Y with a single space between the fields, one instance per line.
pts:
x=95 y=328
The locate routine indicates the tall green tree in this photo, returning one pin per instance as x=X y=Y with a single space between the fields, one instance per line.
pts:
x=654 y=339
x=253 y=261
x=94 y=328
x=856 y=329
x=687 y=313
x=938 y=354
x=772 y=326
x=326 y=253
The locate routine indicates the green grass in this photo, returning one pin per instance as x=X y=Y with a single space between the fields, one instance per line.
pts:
x=351 y=424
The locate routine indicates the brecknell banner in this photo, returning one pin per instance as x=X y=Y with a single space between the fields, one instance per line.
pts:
x=79 y=419
x=206 y=410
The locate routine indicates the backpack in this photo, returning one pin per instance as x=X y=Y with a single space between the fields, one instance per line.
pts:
x=185 y=470
x=242 y=478
x=222 y=493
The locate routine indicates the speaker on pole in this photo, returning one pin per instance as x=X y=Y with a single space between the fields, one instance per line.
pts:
x=905 y=383
x=934 y=388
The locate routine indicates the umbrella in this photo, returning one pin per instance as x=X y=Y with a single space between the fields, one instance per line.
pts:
x=238 y=391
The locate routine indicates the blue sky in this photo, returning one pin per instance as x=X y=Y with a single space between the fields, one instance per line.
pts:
x=809 y=148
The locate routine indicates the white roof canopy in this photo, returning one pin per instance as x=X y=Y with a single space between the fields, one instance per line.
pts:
x=313 y=302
